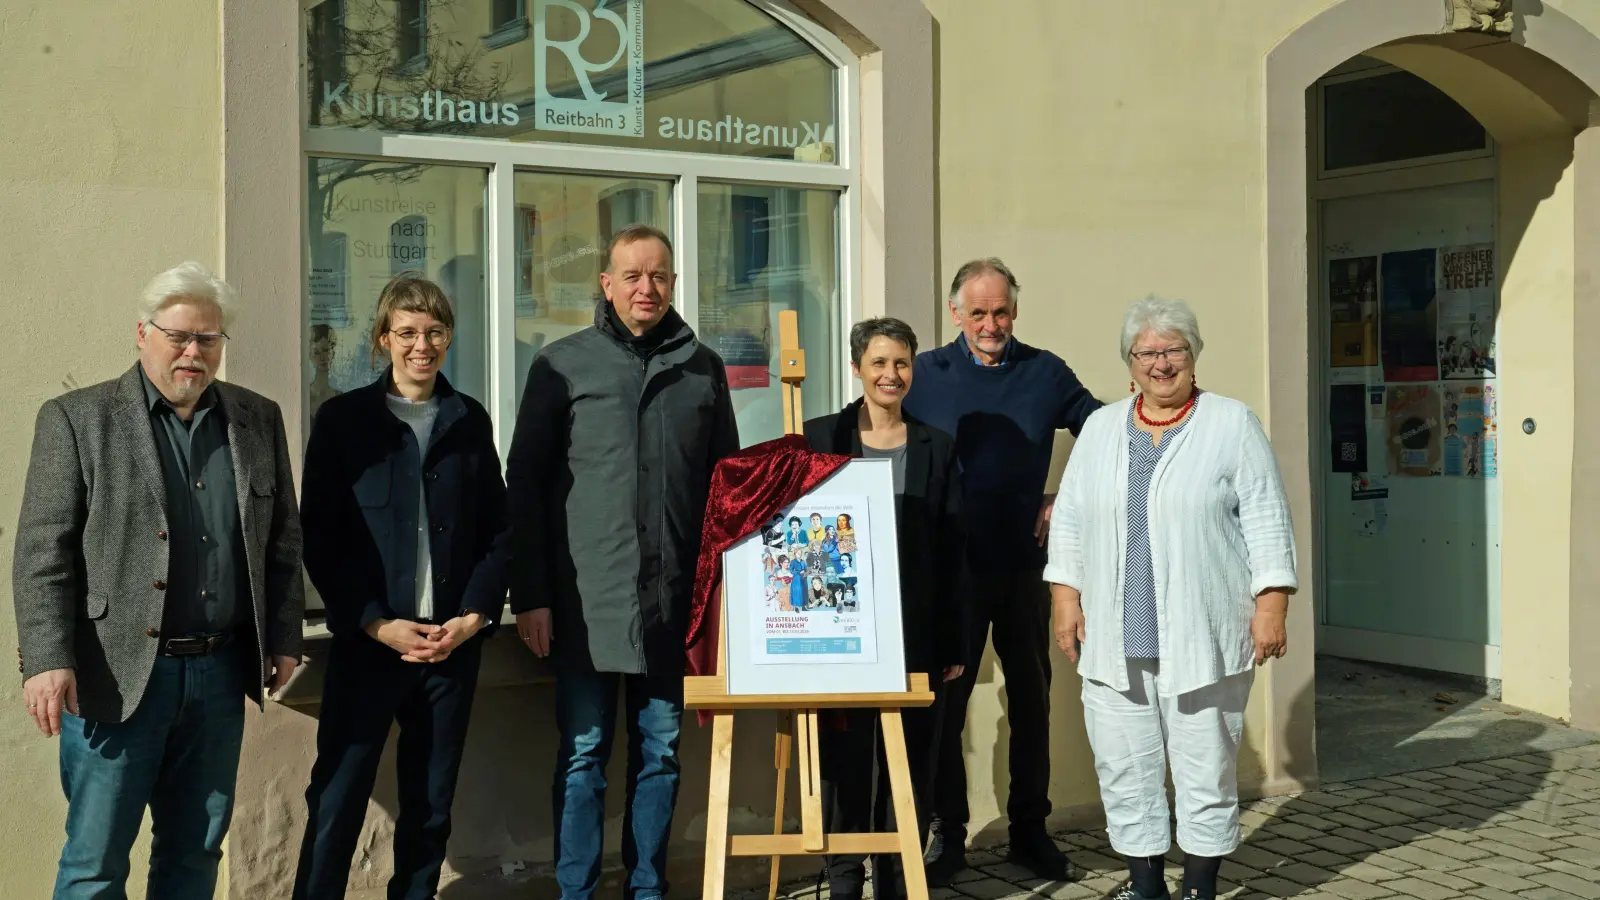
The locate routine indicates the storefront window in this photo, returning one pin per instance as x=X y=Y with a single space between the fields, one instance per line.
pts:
x=764 y=250
x=497 y=145
x=369 y=221
x=704 y=76
x=565 y=222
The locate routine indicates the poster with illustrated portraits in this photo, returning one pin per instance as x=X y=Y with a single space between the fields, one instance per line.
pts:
x=813 y=599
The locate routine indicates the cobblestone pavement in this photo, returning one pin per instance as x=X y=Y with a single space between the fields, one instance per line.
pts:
x=1524 y=826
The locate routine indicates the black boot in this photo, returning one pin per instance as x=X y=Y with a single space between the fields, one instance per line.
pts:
x=1033 y=850
x=1126 y=892
x=947 y=853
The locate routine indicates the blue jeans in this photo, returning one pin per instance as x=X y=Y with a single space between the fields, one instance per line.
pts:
x=178 y=754
x=586 y=713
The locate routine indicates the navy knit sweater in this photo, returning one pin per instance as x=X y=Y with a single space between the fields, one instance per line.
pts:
x=1004 y=419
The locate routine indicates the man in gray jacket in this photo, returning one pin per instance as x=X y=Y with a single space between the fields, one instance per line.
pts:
x=157 y=583
x=619 y=430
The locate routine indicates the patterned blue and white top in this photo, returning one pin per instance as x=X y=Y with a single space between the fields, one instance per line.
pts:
x=1140 y=632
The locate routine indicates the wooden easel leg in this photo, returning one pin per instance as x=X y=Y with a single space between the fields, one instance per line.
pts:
x=810 y=781
x=905 y=807
x=781 y=751
x=717 y=805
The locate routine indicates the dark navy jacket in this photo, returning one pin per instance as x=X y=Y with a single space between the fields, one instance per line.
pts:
x=360 y=509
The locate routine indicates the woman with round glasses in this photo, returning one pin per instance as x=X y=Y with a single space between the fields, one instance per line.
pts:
x=405 y=529
x=1171 y=563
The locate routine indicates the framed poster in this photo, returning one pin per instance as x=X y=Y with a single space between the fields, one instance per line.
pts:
x=813 y=599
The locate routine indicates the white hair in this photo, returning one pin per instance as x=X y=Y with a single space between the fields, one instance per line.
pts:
x=977 y=268
x=1162 y=317
x=187 y=281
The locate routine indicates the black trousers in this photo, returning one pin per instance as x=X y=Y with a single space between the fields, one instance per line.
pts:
x=368 y=688
x=856 y=794
x=1018 y=607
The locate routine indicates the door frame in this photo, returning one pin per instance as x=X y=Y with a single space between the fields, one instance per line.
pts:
x=1459 y=657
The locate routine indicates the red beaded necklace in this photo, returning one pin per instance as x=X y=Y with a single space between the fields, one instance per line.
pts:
x=1138 y=408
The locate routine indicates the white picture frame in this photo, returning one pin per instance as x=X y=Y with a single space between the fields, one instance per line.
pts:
x=797 y=643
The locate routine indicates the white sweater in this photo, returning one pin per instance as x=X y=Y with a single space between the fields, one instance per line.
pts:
x=1219 y=535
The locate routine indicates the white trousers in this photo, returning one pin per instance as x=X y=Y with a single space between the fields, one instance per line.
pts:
x=1133 y=736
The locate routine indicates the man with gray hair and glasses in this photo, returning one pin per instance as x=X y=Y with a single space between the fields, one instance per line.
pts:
x=157 y=584
x=1003 y=401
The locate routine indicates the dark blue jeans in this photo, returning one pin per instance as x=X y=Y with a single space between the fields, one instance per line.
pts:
x=586 y=712
x=178 y=754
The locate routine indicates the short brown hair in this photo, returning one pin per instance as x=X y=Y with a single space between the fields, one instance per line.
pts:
x=409 y=292
x=633 y=234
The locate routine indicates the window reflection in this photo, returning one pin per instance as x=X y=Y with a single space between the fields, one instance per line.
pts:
x=764 y=250
x=369 y=221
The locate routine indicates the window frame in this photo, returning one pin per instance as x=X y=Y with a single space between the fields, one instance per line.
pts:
x=1317 y=115
x=504 y=158
x=411 y=27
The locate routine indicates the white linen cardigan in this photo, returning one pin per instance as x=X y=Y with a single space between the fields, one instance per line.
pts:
x=1219 y=535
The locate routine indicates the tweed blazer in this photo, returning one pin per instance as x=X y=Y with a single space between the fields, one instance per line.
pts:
x=90 y=568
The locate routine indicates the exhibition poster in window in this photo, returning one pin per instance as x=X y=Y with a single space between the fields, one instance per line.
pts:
x=1470 y=430
x=1408 y=330
x=1467 y=288
x=1415 y=446
x=1353 y=303
x=813 y=599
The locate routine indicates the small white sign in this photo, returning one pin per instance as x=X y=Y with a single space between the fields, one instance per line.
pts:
x=597 y=109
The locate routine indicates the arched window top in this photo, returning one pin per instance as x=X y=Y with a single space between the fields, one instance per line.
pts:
x=705 y=76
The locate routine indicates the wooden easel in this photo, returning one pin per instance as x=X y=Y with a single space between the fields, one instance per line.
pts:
x=799 y=725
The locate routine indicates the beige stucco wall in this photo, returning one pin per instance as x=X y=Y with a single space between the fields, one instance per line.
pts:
x=110 y=172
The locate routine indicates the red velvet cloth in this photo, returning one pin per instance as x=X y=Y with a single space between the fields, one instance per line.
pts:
x=748 y=489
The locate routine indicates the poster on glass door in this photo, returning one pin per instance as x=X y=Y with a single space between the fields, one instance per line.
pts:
x=1466 y=297
x=1408 y=321
x=1353 y=312
x=1470 y=428
x=1414 y=440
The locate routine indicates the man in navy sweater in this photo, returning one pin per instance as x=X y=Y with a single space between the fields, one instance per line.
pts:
x=1003 y=401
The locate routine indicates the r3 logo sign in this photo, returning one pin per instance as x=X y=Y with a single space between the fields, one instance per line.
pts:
x=588 y=71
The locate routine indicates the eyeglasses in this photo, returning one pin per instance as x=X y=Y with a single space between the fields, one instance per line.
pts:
x=1149 y=357
x=436 y=336
x=181 y=339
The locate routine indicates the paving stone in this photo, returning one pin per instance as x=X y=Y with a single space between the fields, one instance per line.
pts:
x=1300 y=873
x=1366 y=871
x=1255 y=857
x=1325 y=799
x=1587 y=842
x=1496 y=878
x=1426 y=859
x=1308 y=820
x=1538 y=829
x=1380 y=815
x=1293 y=831
x=1275 y=887
x=1585 y=870
x=1355 y=793
x=1416 y=887
x=1009 y=871
x=1465 y=774
x=1405 y=834
x=1518 y=765
x=1326 y=860
x=1571 y=884
x=1530 y=842
x=1384 y=861
x=1368 y=837
x=1446 y=847
x=1351 y=889
x=1397 y=802
x=1285 y=847
x=1337 y=844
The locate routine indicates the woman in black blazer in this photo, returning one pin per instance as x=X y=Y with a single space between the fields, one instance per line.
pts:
x=405 y=527
x=927 y=523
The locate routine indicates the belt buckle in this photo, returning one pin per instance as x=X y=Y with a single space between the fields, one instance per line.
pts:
x=186 y=646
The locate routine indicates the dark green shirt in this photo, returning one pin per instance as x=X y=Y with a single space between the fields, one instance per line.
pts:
x=206 y=573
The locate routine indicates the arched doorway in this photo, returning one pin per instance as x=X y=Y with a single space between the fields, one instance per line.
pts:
x=1516 y=199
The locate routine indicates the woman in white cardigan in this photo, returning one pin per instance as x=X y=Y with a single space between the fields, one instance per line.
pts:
x=1171 y=563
